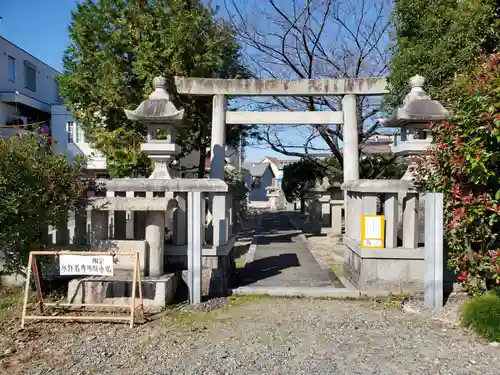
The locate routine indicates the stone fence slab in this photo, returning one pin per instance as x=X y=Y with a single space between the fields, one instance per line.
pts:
x=380 y=186
x=181 y=185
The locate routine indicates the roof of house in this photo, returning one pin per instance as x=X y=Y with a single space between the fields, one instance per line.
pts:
x=257 y=169
x=271 y=159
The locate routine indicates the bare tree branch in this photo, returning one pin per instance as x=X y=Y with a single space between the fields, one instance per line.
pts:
x=289 y=39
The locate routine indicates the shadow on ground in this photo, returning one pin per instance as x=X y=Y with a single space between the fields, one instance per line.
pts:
x=265 y=268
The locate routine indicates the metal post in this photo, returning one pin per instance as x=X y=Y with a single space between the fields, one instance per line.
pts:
x=433 y=277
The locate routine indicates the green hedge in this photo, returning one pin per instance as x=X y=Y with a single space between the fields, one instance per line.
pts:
x=482 y=315
x=37 y=189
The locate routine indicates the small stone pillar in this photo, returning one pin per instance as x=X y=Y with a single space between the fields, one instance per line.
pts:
x=219 y=219
x=180 y=220
x=98 y=227
x=336 y=216
x=80 y=227
x=129 y=217
x=155 y=236
x=326 y=214
x=313 y=211
x=62 y=233
x=120 y=224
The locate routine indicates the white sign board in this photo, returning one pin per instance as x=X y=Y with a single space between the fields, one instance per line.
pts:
x=91 y=265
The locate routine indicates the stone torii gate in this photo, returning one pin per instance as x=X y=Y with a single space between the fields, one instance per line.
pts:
x=349 y=89
x=220 y=89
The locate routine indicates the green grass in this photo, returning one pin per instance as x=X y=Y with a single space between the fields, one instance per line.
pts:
x=482 y=315
x=11 y=301
x=197 y=319
x=336 y=268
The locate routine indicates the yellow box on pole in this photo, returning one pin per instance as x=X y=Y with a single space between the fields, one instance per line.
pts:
x=372 y=232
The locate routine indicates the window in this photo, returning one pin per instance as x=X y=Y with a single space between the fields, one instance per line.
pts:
x=58 y=94
x=75 y=132
x=29 y=76
x=256 y=184
x=12 y=69
x=70 y=129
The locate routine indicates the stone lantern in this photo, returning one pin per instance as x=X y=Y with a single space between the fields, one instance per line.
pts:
x=159 y=113
x=413 y=118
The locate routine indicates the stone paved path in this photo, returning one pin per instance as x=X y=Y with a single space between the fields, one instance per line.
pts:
x=282 y=258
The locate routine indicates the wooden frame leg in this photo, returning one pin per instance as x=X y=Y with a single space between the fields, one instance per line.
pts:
x=132 y=307
x=26 y=289
x=36 y=276
x=139 y=285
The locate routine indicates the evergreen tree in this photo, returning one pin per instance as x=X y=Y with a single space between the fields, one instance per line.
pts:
x=117 y=48
x=438 y=39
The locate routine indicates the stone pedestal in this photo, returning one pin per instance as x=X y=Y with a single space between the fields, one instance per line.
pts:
x=157 y=292
x=389 y=268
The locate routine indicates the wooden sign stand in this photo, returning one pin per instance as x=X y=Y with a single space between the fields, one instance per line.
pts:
x=32 y=268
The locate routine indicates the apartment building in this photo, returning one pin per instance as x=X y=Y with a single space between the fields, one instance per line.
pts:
x=29 y=94
x=28 y=87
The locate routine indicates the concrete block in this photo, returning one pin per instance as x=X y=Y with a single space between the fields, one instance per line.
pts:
x=385 y=270
x=12 y=280
x=206 y=276
x=117 y=290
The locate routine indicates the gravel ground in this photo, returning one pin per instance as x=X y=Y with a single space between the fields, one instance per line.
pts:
x=257 y=336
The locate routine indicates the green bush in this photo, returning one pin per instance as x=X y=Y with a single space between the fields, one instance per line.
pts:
x=37 y=189
x=463 y=163
x=482 y=314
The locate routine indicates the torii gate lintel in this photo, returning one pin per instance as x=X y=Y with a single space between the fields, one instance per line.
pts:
x=221 y=88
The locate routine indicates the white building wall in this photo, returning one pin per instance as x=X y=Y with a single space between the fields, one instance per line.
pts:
x=61 y=117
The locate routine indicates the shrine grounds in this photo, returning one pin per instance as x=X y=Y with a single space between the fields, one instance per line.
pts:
x=249 y=335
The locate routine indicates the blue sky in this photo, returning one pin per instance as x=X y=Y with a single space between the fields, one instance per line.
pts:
x=42 y=28
x=42 y=31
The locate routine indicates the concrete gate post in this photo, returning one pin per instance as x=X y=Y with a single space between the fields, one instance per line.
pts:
x=218 y=153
